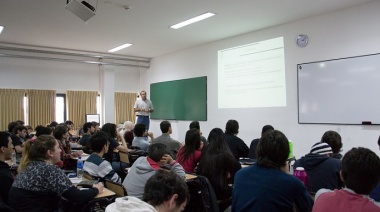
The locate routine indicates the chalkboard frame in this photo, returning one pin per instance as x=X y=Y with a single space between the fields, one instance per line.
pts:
x=184 y=99
x=353 y=80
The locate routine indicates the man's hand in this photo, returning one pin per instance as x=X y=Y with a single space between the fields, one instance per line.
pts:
x=166 y=159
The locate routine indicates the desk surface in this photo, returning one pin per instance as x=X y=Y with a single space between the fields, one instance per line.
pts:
x=83 y=157
x=106 y=193
x=190 y=176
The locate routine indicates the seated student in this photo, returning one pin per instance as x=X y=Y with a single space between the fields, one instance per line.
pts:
x=195 y=125
x=375 y=193
x=164 y=191
x=335 y=141
x=252 y=148
x=321 y=169
x=171 y=145
x=219 y=166
x=6 y=149
x=88 y=130
x=140 y=139
x=237 y=146
x=267 y=185
x=360 y=173
x=145 y=167
x=18 y=139
x=190 y=154
x=110 y=156
x=127 y=133
x=95 y=165
x=40 y=184
x=67 y=162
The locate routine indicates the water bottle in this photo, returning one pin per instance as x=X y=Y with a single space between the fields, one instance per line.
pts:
x=13 y=158
x=301 y=174
x=79 y=167
x=291 y=150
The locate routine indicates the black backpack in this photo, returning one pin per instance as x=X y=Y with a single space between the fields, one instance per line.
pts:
x=203 y=198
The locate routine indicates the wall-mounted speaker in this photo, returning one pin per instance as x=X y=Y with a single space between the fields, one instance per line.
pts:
x=82 y=10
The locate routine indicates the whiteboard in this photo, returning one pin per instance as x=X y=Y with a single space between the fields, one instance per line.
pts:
x=340 y=91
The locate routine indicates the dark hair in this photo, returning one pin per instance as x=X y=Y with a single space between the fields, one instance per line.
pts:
x=162 y=186
x=192 y=143
x=232 y=127
x=272 y=150
x=19 y=128
x=194 y=125
x=98 y=141
x=217 y=142
x=95 y=123
x=41 y=130
x=20 y=122
x=333 y=139
x=139 y=130
x=36 y=150
x=360 y=170
x=156 y=151
x=4 y=135
x=28 y=127
x=86 y=126
x=53 y=124
x=110 y=129
x=68 y=122
x=59 y=131
x=217 y=160
x=266 y=128
x=164 y=126
x=12 y=125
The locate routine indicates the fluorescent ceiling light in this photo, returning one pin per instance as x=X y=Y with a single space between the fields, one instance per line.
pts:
x=1 y=29
x=120 y=47
x=192 y=20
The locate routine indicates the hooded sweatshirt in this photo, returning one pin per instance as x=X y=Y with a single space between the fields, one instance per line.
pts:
x=142 y=169
x=322 y=171
x=129 y=203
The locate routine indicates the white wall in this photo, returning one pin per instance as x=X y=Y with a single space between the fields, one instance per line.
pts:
x=62 y=76
x=344 y=33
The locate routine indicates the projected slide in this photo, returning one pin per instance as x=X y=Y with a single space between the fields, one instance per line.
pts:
x=252 y=75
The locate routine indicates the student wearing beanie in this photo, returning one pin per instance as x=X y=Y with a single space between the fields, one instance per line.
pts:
x=321 y=169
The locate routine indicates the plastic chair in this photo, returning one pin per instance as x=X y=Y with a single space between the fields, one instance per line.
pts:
x=98 y=204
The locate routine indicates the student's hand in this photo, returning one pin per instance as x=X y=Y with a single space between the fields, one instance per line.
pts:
x=99 y=186
x=166 y=159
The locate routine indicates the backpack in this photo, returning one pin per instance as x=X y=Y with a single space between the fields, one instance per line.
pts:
x=203 y=198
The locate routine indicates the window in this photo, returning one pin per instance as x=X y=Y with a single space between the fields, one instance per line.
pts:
x=60 y=108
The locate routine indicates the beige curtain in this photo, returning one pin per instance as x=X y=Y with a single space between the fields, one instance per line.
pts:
x=11 y=106
x=41 y=107
x=124 y=103
x=79 y=104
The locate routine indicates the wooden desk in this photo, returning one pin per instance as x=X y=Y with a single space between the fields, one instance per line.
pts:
x=106 y=193
x=84 y=157
x=190 y=177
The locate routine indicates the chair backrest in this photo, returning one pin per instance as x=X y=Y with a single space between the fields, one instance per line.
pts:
x=124 y=157
x=116 y=187
x=87 y=176
x=203 y=198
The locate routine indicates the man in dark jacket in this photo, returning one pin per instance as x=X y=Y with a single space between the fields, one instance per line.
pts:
x=6 y=149
x=321 y=169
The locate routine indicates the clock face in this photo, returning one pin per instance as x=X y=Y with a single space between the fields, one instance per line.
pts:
x=302 y=40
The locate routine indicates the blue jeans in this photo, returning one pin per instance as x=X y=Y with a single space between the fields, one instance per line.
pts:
x=145 y=120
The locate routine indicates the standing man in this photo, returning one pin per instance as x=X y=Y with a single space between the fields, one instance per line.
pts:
x=143 y=107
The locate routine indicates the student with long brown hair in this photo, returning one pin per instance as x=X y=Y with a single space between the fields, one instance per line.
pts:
x=40 y=184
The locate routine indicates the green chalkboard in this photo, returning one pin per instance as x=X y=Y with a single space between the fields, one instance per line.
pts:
x=180 y=99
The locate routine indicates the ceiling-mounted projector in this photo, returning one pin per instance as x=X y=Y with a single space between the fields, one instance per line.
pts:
x=82 y=9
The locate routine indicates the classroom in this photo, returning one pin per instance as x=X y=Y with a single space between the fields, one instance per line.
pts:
x=346 y=32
